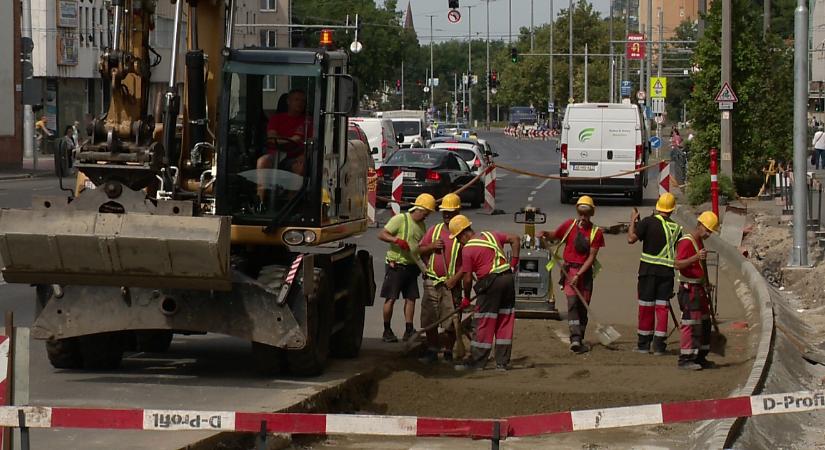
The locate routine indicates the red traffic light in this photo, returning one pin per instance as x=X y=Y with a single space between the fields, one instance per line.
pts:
x=495 y=76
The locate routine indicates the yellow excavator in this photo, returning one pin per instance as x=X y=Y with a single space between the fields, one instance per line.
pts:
x=192 y=217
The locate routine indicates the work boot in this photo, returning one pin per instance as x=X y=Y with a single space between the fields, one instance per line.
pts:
x=706 y=363
x=502 y=367
x=576 y=347
x=659 y=346
x=389 y=336
x=408 y=334
x=468 y=366
x=690 y=365
x=583 y=348
x=429 y=357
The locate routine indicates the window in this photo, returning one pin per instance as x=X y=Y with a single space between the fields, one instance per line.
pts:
x=269 y=39
x=452 y=163
x=269 y=5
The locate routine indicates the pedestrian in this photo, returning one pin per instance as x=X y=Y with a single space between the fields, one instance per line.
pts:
x=659 y=234
x=442 y=255
x=403 y=232
x=694 y=295
x=582 y=241
x=65 y=150
x=819 y=148
x=676 y=139
x=482 y=255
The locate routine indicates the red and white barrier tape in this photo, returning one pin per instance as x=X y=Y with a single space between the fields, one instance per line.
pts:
x=343 y=424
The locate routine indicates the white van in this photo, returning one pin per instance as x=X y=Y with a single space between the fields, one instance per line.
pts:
x=599 y=140
x=414 y=131
x=381 y=136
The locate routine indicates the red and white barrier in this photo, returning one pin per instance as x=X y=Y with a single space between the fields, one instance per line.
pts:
x=397 y=185
x=372 y=189
x=346 y=424
x=490 y=189
x=664 y=177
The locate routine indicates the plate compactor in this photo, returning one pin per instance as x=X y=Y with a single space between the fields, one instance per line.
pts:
x=535 y=296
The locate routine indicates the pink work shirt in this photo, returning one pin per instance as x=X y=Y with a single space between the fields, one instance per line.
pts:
x=438 y=263
x=479 y=260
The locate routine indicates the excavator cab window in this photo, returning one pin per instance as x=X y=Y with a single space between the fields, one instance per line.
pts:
x=272 y=156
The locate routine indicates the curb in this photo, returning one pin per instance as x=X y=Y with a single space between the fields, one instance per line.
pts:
x=723 y=433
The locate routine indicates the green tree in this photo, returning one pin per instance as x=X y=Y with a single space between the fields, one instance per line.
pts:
x=678 y=55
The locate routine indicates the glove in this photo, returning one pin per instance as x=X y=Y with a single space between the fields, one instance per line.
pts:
x=465 y=303
x=402 y=244
x=514 y=262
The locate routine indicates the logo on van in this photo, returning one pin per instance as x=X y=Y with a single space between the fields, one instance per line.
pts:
x=586 y=134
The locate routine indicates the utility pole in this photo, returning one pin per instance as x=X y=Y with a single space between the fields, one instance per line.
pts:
x=488 y=65
x=532 y=29
x=610 y=41
x=649 y=38
x=28 y=114
x=509 y=22
x=469 y=64
x=799 y=255
x=625 y=61
x=703 y=9
x=726 y=125
x=570 y=45
x=552 y=86
x=766 y=18
x=661 y=57
x=432 y=75
x=402 y=84
x=585 y=72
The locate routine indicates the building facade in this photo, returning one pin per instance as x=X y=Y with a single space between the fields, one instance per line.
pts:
x=674 y=13
x=11 y=112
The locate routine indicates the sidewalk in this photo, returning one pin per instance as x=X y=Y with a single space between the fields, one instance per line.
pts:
x=45 y=168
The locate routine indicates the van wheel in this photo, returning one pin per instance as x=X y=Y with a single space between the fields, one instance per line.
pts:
x=638 y=196
x=566 y=196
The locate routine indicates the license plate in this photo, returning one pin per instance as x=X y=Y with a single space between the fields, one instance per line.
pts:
x=408 y=174
x=584 y=167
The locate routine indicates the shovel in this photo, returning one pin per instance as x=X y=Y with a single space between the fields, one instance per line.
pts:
x=458 y=348
x=606 y=333
x=718 y=341
x=412 y=340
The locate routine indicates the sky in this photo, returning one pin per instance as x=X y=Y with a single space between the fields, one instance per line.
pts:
x=444 y=30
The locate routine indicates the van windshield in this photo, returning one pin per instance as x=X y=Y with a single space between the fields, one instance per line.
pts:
x=407 y=127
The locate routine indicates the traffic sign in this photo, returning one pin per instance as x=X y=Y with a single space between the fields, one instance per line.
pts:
x=660 y=119
x=454 y=16
x=655 y=142
x=659 y=105
x=726 y=94
x=725 y=106
x=551 y=107
x=658 y=87
x=627 y=87
x=641 y=95
x=635 y=47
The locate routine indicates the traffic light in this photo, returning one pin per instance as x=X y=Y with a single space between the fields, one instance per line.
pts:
x=514 y=54
x=453 y=4
x=493 y=79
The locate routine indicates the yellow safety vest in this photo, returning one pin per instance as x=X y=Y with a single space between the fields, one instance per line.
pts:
x=555 y=257
x=667 y=255
x=684 y=279
x=489 y=241
x=453 y=257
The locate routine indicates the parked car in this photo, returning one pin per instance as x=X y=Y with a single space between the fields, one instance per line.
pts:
x=433 y=171
x=600 y=140
x=472 y=151
x=355 y=133
x=383 y=140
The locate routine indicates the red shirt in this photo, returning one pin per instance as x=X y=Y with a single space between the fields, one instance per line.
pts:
x=570 y=253
x=479 y=260
x=286 y=126
x=684 y=250
x=438 y=263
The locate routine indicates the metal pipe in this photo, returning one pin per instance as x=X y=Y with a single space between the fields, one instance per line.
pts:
x=470 y=65
x=173 y=64
x=585 y=72
x=432 y=74
x=799 y=255
x=118 y=21
x=230 y=24
x=570 y=45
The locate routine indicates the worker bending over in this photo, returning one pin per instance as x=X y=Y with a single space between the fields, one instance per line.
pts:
x=694 y=295
x=442 y=254
x=658 y=234
x=483 y=256
x=582 y=241
x=403 y=232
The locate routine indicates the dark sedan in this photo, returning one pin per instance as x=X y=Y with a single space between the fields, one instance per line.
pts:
x=433 y=171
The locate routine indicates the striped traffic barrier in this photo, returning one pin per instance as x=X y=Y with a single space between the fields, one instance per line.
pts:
x=372 y=189
x=664 y=177
x=397 y=185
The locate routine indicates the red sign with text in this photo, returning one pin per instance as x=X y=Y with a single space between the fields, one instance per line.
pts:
x=635 y=46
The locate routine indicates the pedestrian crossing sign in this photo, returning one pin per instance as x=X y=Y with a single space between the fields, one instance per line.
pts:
x=658 y=87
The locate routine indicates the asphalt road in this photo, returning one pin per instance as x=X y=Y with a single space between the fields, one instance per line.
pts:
x=215 y=373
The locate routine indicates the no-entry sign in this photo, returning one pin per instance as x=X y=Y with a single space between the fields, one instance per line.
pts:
x=635 y=47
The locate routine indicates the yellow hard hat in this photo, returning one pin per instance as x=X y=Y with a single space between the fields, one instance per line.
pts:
x=666 y=203
x=709 y=220
x=586 y=200
x=458 y=224
x=450 y=202
x=425 y=201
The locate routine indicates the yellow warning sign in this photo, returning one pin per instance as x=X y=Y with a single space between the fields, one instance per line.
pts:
x=658 y=87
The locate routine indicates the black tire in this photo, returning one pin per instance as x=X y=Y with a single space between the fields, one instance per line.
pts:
x=638 y=196
x=269 y=360
x=153 y=341
x=64 y=353
x=311 y=360
x=346 y=343
x=478 y=200
x=102 y=351
x=565 y=196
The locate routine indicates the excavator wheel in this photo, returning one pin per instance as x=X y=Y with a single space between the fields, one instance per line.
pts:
x=346 y=343
x=311 y=360
x=64 y=353
x=103 y=351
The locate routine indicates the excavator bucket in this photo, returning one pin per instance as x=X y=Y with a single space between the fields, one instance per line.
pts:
x=79 y=247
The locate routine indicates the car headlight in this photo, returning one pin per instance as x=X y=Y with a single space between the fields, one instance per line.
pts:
x=294 y=237
x=310 y=236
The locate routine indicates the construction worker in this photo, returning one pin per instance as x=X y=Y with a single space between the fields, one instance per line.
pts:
x=403 y=232
x=441 y=253
x=659 y=234
x=582 y=241
x=482 y=255
x=694 y=294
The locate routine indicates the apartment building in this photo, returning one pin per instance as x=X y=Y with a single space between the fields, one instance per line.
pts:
x=11 y=113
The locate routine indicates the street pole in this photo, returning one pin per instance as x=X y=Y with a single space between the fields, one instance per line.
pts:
x=610 y=41
x=551 y=88
x=28 y=114
x=402 y=84
x=509 y=22
x=726 y=125
x=650 y=47
x=661 y=57
x=488 y=65
x=799 y=255
x=432 y=75
x=570 y=46
x=625 y=61
x=766 y=18
x=470 y=64
x=532 y=29
x=455 y=96
x=703 y=9
x=585 y=72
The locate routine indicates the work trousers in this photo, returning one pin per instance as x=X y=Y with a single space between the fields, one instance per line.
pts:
x=694 y=342
x=654 y=297
x=576 y=310
x=494 y=319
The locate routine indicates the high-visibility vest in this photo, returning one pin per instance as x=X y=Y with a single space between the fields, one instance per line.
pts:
x=555 y=257
x=489 y=241
x=684 y=279
x=667 y=255
x=405 y=229
x=453 y=257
